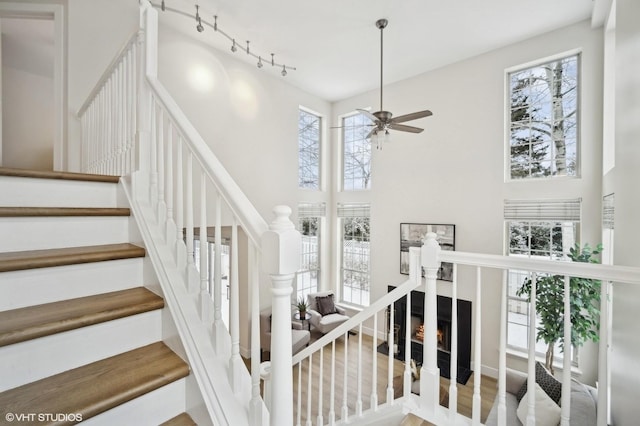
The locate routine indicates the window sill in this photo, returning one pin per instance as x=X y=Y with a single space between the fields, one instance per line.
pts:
x=521 y=355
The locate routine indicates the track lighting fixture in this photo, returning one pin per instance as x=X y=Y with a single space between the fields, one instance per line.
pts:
x=200 y=23
x=199 y=27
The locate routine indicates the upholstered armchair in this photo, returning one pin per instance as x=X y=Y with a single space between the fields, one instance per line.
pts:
x=325 y=314
x=299 y=337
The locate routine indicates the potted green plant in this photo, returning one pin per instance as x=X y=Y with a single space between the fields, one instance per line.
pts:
x=302 y=307
x=584 y=302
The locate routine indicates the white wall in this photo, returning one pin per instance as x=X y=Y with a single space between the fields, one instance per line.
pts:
x=626 y=175
x=453 y=172
x=248 y=116
x=27 y=94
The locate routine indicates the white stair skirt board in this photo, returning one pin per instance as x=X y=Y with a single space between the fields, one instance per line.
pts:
x=44 y=285
x=36 y=359
x=150 y=409
x=30 y=192
x=40 y=233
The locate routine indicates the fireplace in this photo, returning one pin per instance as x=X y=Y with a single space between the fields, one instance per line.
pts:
x=443 y=333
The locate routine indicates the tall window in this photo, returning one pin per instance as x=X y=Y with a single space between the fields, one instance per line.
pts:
x=309 y=221
x=356 y=158
x=308 y=150
x=533 y=233
x=544 y=119
x=355 y=254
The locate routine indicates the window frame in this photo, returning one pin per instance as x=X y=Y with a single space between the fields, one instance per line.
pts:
x=558 y=355
x=343 y=269
x=320 y=175
x=343 y=147
x=507 y=116
x=306 y=289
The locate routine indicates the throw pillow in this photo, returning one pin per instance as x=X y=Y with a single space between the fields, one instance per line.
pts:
x=547 y=411
x=326 y=305
x=547 y=382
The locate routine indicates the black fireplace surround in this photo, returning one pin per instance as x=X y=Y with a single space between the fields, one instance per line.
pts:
x=444 y=332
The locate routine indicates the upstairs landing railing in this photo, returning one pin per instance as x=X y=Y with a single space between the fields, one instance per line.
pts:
x=320 y=369
x=132 y=127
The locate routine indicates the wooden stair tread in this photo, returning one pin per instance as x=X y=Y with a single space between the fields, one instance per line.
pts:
x=97 y=387
x=180 y=420
x=15 y=261
x=43 y=174
x=62 y=211
x=19 y=325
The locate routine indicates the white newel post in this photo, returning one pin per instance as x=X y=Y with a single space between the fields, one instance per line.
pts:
x=281 y=260
x=147 y=65
x=430 y=373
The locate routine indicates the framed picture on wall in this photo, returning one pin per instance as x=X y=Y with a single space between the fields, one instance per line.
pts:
x=412 y=234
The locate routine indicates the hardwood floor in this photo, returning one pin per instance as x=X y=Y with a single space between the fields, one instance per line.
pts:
x=311 y=397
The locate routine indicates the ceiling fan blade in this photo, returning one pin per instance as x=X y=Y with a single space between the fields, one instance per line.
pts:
x=405 y=128
x=412 y=116
x=368 y=114
x=352 y=127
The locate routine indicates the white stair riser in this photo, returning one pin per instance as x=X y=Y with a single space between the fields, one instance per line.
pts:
x=150 y=409
x=35 y=359
x=29 y=192
x=44 y=285
x=39 y=233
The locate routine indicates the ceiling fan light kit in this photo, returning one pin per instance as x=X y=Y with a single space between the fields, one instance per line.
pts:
x=383 y=120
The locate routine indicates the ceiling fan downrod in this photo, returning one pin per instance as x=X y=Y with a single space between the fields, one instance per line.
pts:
x=381 y=24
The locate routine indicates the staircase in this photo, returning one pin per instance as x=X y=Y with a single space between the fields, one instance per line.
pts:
x=81 y=334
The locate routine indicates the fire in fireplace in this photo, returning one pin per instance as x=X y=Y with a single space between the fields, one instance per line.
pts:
x=443 y=335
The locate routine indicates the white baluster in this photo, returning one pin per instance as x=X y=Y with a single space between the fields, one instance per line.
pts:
x=502 y=357
x=170 y=231
x=161 y=212
x=407 y=348
x=359 y=372
x=281 y=260
x=430 y=373
x=332 y=411
x=153 y=148
x=345 y=380
x=531 y=379
x=320 y=419
x=205 y=300
x=220 y=332
x=180 y=248
x=453 y=364
x=374 y=365
x=299 y=411
x=390 y=354
x=309 y=381
x=236 y=368
x=603 y=354
x=566 y=364
x=254 y=286
x=477 y=350
x=189 y=216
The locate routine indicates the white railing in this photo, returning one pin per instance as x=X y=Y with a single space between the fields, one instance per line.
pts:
x=132 y=127
x=325 y=365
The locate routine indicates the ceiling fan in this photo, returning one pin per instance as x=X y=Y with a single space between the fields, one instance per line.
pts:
x=383 y=120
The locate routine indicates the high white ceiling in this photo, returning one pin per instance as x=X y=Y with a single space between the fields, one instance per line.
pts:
x=335 y=45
